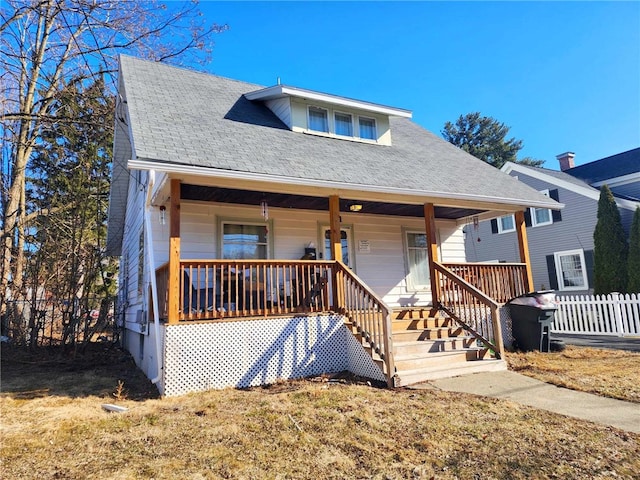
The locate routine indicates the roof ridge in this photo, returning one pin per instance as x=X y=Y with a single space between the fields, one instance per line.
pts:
x=191 y=70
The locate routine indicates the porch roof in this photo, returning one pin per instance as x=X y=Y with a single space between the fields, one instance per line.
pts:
x=180 y=117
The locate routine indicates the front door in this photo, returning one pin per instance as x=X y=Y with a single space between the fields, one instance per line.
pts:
x=345 y=240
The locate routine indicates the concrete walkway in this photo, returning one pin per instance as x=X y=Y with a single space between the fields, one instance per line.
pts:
x=529 y=391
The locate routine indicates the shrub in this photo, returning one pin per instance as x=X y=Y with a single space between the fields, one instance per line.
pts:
x=610 y=252
x=633 y=263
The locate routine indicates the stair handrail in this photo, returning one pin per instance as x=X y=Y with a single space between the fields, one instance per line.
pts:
x=341 y=274
x=496 y=344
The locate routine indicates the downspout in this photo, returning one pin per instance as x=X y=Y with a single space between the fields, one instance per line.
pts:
x=152 y=275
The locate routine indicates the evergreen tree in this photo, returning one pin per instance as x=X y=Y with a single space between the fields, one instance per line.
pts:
x=67 y=193
x=485 y=138
x=610 y=252
x=46 y=45
x=633 y=264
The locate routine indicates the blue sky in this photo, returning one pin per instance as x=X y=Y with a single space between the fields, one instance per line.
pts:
x=563 y=76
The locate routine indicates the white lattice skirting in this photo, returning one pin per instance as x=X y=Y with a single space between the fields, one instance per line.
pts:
x=257 y=352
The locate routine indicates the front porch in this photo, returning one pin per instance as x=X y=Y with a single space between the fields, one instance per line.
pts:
x=288 y=295
x=463 y=318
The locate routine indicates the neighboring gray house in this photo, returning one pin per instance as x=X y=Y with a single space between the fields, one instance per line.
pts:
x=620 y=172
x=560 y=242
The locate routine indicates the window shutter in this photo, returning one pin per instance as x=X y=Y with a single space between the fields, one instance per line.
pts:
x=588 y=260
x=494 y=226
x=527 y=217
x=551 y=269
x=555 y=214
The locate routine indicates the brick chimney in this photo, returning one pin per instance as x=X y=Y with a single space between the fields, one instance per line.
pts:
x=566 y=160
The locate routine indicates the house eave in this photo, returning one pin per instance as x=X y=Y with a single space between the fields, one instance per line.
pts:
x=364 y=192
x=281 y=91
x=619 y=181
x=587 y=191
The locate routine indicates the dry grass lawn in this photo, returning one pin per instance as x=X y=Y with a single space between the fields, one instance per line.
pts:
x=610 y=373
x=53 y=426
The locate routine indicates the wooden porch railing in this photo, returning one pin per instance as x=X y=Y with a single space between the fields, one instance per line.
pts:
x=224 y=289
x=470 y=307
x=499 y=281
x=368 y=313
x=218 y=289
x=162 y=287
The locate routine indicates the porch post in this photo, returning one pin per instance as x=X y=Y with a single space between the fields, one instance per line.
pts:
x=334 y=225
x=336 y=250
x=523 y=246
x=432 y=243
x=173 y=304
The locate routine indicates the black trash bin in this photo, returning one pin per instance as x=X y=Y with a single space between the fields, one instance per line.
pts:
x=531 y=318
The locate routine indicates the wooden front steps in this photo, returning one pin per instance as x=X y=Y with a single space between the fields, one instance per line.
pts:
x=428 y=347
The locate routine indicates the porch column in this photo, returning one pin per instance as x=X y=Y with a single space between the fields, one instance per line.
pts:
x=432 y=243
x=173 y=303
x=523 y=246
x=334 y=225
x=336 y=250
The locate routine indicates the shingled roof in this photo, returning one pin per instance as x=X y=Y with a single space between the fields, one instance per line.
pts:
x=618 y=165
x=191 y=118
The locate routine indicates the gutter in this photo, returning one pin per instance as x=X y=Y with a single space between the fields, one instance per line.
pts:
x=330 y=184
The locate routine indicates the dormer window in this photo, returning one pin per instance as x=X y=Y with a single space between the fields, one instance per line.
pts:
x=325 y=115
x=367 y=128
x=318 y=119
x=343 y=124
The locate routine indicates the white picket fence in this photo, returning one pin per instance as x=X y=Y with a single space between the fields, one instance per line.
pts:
x=613 y=314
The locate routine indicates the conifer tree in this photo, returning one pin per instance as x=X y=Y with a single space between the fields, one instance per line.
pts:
x=610 y=252
x=633 y=264
x=486 y=138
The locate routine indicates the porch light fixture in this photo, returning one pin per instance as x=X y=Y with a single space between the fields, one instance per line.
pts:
x=355 y=207
x=163 y=215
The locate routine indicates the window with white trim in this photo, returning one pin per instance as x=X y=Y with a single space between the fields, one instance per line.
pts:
x=571 y=270
x=506 y=224
x=245 y=240
x=318 y=119
x=541 y=216
x=367 y=128
x=343 y=123
x=417 y=255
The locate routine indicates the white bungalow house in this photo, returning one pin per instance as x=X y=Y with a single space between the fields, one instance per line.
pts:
x=279 y=232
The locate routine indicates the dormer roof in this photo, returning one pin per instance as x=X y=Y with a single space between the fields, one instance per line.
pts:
x=282 y=91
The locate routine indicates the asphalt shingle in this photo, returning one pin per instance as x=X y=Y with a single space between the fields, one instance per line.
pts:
x=187 y=117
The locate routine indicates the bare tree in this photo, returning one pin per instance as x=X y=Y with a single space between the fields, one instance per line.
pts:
x=50 y=45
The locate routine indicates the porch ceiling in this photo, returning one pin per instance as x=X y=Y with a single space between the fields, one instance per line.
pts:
x=306 y=202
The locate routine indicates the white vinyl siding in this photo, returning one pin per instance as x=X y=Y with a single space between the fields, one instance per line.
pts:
x=571 y=270
x=282 y=109
x=133 y=262
x=383 y=267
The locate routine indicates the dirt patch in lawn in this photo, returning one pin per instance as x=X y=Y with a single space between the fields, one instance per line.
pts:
x=53 y=426
x=610 y=373
x=48 y=372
